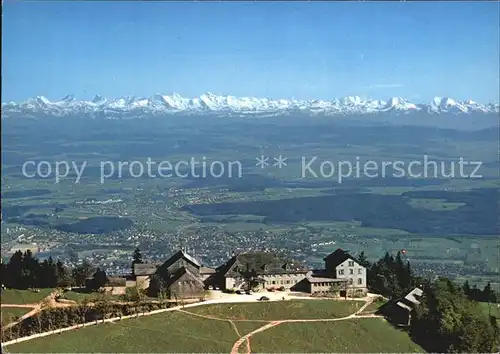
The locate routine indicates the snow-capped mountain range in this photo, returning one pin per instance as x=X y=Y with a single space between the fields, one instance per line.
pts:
x=136 y=107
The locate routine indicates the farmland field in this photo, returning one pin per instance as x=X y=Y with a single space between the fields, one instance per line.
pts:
x=306 y=217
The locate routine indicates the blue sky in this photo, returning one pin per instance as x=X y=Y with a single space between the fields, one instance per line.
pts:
x=281 y=50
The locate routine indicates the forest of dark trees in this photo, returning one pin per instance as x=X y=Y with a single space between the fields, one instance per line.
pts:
x=448 y=319
x=375 y=210
x=24 y=271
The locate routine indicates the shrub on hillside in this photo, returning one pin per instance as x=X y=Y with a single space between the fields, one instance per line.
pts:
x=55 y=318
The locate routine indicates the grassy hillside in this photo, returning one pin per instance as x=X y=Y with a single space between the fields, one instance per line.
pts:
x=168 y=332
x=367 y=335
x=374 y=306
x=270 y=311
x=188 y=332
x=20 y=297
x=485 y=308
x=10 y=313
x=90 y=296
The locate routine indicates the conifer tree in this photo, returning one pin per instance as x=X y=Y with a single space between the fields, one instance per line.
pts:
x=136 y=258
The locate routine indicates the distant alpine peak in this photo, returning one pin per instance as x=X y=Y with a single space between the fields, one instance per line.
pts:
x=98 y=98
x=40 y=99
x=68 y=98
x=210 y=103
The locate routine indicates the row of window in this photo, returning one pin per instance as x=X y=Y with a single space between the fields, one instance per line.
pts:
x=186 y=282
x=281 y=282
x=322 y=292
x=359 y=291
x=359 y=281
x=351 y=271
x=323 y=284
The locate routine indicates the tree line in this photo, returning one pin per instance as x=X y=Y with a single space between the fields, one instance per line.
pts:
x=392 y=277
x=485 y=295
x=447 y=321
x=448 y=318
x=24 y=271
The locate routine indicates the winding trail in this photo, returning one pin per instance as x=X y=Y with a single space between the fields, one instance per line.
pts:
x=30 y=306
x=50 y=301
x=246 y=337
x=231 y=322
x=47 y=301
x=219 y=318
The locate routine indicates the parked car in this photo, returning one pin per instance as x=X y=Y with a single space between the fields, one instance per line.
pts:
x=239 y=292
x=264 y=298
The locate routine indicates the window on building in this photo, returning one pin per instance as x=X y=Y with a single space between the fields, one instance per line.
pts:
x=351 y=263
x=350 y=281
x=351 y=271
x=274 y=282
x=341 y=272
x=360 y=271
x=360 y=281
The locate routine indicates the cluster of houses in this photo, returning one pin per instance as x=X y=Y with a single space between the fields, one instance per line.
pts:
x=182 y=276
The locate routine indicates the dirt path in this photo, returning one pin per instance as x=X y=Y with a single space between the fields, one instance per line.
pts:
x=221 y=319
x=269 y=324
x=367 y=303
x=48 y=301
x=30 y=306
x=246 y=337
x=214 y=318
x=33 y=312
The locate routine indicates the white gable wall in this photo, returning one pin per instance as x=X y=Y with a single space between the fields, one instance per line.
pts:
x=358 y=277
